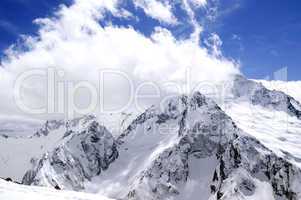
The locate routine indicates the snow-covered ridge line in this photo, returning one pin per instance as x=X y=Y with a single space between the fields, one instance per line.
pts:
x=292 y=88
x=257 y=94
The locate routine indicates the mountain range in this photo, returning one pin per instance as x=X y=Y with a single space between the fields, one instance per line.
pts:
x=190 y=148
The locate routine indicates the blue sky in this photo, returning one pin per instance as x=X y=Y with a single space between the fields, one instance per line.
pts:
x=264 y=35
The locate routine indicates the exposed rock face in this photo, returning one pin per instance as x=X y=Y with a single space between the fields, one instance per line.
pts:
x=85 y=154
x=257 y=94
x=49 y=126
x=246 y=164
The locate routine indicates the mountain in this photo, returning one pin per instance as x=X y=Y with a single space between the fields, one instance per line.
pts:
x=186 y=148
x=211 y=158
x=19 y=153
x=85 y=153
x=270 y=116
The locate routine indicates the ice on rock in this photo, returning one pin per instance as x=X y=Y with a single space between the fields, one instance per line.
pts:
x=86 y=154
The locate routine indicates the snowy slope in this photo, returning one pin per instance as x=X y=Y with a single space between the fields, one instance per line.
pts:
x=276 y=130
x=266 y=115
x=116 y=123
x=18 y=154
x=12 y=191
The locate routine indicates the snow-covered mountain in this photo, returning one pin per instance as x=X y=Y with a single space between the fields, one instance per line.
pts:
x=18 y=154
x=270 y=116
x=84 y=154
x=256 y=94
x=189 y=148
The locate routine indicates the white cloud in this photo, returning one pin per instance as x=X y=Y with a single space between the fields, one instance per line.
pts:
x=74 y=42
x=199 y=3
x=197 y=27
x=214 y=43
x=161 y=11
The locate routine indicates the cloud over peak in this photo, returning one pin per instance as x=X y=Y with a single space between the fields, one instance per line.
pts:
x=74 y=42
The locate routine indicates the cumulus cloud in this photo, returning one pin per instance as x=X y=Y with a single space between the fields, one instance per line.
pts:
x=74 y=43
x=161 y=11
